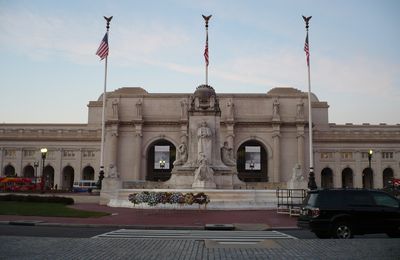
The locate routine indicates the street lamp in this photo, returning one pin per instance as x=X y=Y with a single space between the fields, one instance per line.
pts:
x=162 y=164
x=369 y=158
x=36 y=165
x=44 y=154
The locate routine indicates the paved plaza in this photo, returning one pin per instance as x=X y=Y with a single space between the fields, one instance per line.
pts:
x=116 y=248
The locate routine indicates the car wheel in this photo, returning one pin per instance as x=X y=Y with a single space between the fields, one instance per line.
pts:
x=342 y=230
x=322 y=235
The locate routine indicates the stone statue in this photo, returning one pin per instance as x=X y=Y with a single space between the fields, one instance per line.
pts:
x=204 y=173
x=275 y=108
x=182 y=154
x=113 y=171
x=212 y=102
x=115 y=108
x=184 y=107
x=139 y=107
x=204 y=143
x=297 y=181
x=300 y=110
x=227 y=155
x=196 y=103
x=231 y=109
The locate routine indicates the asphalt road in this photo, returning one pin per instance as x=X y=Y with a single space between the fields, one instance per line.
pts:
x=88 y=232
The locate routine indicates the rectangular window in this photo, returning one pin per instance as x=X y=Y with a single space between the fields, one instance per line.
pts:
x=253 y=158
x=161 y=157
x=10 y=153
x=29 y=153
x=326 y=155
x=387 y=155
x=346 y=155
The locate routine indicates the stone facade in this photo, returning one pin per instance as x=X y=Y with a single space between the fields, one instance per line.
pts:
x=142 y=127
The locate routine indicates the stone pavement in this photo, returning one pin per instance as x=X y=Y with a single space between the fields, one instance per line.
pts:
x=157 y=218
x=157 y=249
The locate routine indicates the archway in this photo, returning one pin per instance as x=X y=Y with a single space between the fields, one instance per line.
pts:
x=160 y=157
x=48 y=173
x=67 y=178
x=88 y=173
x=252 y=162
x=347 y=178
x=29 y=172
x=387 y=176
x=326 y=178
x=9 y=170
x=368 y=178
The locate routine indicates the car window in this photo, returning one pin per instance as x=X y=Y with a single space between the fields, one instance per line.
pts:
x=359 y=199
x=311 y=199
x=331 y=199
x=384 y=200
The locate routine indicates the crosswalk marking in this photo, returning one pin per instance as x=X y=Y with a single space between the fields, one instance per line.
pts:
x=220 y=236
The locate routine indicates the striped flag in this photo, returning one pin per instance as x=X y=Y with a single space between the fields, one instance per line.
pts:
x=102 y=51
x=206 y=51
x=307 y=50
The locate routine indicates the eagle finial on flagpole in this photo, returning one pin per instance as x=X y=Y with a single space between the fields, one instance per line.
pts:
x=206 y=19
x=108 y=19
x=306 y=19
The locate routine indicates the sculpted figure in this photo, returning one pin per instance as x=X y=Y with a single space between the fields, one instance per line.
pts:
x=300 y=110
x=139 y=107
x=231 y=109
x=275 y=108
x=204 y=172
x=115 y=108
x=227 y=155
x=204 y=142
x=184 y=107
x=182 y=154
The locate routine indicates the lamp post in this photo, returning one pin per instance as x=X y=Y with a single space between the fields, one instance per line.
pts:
x=44 y=154
x=369 y=158
x=36 y=165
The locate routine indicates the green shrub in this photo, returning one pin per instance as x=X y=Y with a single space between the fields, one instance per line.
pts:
x=32 y=198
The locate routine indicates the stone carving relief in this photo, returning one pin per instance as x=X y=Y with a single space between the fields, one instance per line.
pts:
x=182 y=154
x=203 y=173
x=227 y=155
x=184 y=109
x=300 y=110
x=231 y=109
x=139 y=108
x=115 y=108
x=275 y=108
x=204 y=143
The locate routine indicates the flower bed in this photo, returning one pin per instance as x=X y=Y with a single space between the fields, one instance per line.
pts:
x=152 y=198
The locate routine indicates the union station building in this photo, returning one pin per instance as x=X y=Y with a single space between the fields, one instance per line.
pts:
x=258 y=139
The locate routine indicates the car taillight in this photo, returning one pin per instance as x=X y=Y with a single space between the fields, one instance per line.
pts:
x=314 y=212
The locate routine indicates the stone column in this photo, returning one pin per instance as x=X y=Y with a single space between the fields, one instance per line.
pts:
x=18 y=165
x=137 y=156
x=337 y=172
x=276 y=153
x=357 y=181
x=377 y=170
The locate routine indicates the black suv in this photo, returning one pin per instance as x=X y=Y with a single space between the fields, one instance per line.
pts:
x=342 y=213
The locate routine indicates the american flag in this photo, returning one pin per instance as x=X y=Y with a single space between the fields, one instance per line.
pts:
x=102 y=51
x=307 y=50
x=206 y=51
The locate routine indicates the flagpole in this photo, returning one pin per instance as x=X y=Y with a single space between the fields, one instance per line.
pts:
x=311 y=178
x=206 y=19
x=103 y=133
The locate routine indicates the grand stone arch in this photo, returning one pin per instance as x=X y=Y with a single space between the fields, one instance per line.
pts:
x=252 y=161
x=161 y=154
x=327 y=178
x=48 y=177
x=347 y=178
x=28 y=171
x=368 y=178
x=9 y=170
x=387 y=176
x=67 y=178
x=88 y=173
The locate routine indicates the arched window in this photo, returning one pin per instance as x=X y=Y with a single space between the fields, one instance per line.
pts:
x=9 y=170
x=368 y=178
x=88 y=173
x=160 y=157
x=326 y=178
x=252 y=162
x=347 y=178
x=387 y=176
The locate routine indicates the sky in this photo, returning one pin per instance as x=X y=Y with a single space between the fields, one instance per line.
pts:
x=49 y=71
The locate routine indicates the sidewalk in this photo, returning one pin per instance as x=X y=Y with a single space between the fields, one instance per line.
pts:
x=156 y=218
